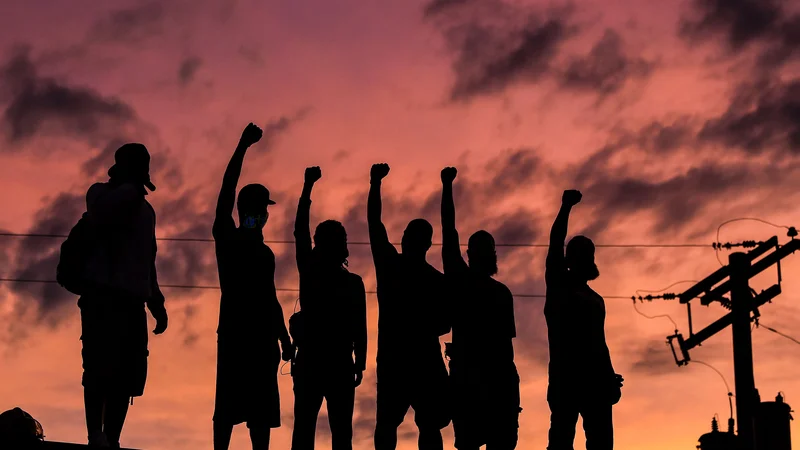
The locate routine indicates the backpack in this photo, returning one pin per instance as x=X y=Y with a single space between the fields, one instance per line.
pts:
x=74 y=257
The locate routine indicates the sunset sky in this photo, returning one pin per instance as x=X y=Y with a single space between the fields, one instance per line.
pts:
x=671 y=117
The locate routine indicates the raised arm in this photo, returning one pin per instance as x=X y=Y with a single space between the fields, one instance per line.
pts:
x=302 y=232
x=378 y=238
x=558 y=234
x=451 y=249
x=360 y=332
x=227 y=193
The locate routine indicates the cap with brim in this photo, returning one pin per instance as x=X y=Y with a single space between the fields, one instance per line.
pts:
x=133 y=159
x=254 y=196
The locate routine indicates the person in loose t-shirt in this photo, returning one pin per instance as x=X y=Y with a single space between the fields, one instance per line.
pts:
x=250 y=316
x=121 y=279
x=582 y=379
x=482 y=370
x=329 y=330
x=411 y=298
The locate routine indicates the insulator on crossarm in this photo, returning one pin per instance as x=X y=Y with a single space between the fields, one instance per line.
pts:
x=669 y=296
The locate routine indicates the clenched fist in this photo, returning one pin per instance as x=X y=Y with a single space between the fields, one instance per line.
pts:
x=571 y=197
x=449 y=174
x=250 y=135
x=313 y=174
x=379 y=171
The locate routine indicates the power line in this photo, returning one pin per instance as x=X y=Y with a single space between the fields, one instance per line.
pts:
x=287 y=242
x=759 y=324
x=212 y=287
x=739 y=219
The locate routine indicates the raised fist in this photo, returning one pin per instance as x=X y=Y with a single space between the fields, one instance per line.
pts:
x=250 y=135
x=379 y=171
x=571 y=197
x=313 y=174
x=449 y=174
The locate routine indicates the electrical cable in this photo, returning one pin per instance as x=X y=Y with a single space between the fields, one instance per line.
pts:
x=760 y=324
x=638 y=291
x=287 y=242
x=189 y=286
x=716 y=250
x=727 y=387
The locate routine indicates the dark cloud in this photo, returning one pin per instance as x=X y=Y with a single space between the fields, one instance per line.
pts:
x=740 y=21
x=497 y=45
x=655 y=359
x=188 y=70
x=274 y=128
x=745 y=24
x=253 y=55
x=130 y=25
x=36 y=259
x=40 y=105
x=606 y=69
x=762 y=116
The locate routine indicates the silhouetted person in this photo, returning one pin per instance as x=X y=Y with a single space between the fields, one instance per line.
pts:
x=411 y=371
x=120 y=280
x=250 y=316
x=483 y=375
x=333 y=319
x=582 y=379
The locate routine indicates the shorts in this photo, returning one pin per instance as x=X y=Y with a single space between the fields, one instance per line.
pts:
x=114 y=338
x=247 y=384
x=426 y=390
x=486 y=406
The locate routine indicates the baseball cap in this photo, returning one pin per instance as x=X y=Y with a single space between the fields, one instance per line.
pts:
x=254 y=196
x=133 y=159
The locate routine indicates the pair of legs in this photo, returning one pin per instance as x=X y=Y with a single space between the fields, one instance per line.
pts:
x=259 y=435
x=114 y=337
x=597 y=421
x=339 y=392
x=105 y=413
x=428 y=398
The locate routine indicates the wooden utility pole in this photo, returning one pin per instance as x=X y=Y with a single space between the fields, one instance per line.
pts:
x=741 y=305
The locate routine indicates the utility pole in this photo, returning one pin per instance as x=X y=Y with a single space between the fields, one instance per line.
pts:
x=741 y=267
x=741 y=305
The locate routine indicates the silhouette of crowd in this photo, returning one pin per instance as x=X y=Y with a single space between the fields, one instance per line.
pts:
x=109 y=261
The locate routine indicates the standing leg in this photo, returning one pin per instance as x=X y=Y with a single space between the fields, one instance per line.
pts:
x=93 y=402
x=93 y=379
x=307 y=402
x=598 y=426
x=341 y=395
x=259 y=436
x=391 y=410
x=115 y=413
x=222 y=435
x=563 y=419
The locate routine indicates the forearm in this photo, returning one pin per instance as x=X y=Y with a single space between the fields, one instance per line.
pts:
x=227 y=193
x=374 y=205
x=558 y=233
x=448 y=208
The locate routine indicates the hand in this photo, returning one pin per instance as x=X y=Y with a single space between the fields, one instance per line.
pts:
x=250 y=135
x=571 y=197
x=619 y=379
x=288 y=351
x=313 y=174
x=449 y=174
x=359 y=378
x=379 y=171
x=161 y=322
x=616 y=389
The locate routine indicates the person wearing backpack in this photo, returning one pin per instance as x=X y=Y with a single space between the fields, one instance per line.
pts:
x=115 y=277
x=333 y=325
x=250 y=316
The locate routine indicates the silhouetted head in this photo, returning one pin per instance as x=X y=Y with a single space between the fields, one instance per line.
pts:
x=580 y=259
x=417 y=238
x=132 y=164
x=481 y=253
x=330 y=243
x=252 y=205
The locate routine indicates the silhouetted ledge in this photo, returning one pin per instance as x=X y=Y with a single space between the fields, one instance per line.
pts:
x=60 y=446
